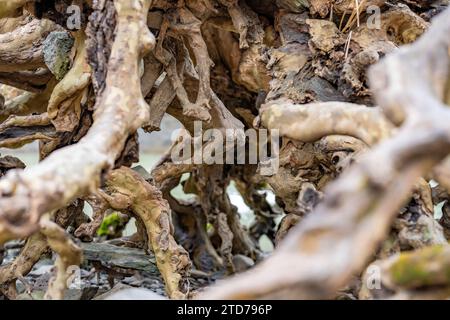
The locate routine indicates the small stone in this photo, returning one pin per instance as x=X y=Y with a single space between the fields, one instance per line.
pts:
x=242 y=263
x=143 y=173
x=57 y=47
x=41 y=270
x=120 y=257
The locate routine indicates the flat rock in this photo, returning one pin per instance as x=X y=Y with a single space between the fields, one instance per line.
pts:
x=120 y=257
x=40 y=270
x=57 y=47
x=242 y=263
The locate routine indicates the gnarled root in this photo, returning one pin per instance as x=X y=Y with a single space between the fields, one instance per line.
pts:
x=64 y=105
x=248 y=182
x=210 y=184
x=87 y=231
x=32 y=81
x=186 y=24
x=417 y=227
x=69 y=254
x=366 y=195
x=36 y=245
x=27 y=103
x=309 y=123
x=25 y=121
x=17 y=131
x=21 y=49
x=129 y=191
x=190 y=224
x=242 y=21
x=189 y=27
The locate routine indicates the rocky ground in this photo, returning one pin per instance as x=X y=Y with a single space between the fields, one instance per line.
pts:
x=108 y=271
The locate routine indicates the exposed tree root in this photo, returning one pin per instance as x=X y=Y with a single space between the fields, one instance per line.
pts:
x=36 y=245
x=210 y=184
x=19 y=130
x=27 y=103
x=199 y=109
x=10 y=7
x=128 y=191
x=64 y=104
x=32 y=81
x=69 y=254
x=248 y=182
x=8 y=163
x=190 y=224
x=87 y=231
x=25 y=121
x=21 y=49
x=189 y=27
x=311 y=122
x=32 y=194
x=366 y=194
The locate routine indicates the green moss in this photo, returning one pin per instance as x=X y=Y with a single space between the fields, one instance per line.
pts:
x=109 y=224
x=413 y=269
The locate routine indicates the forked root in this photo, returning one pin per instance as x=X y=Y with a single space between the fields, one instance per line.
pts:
x=69 y=255
x=34 y=247
x=186 y=24
x=126 y=190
